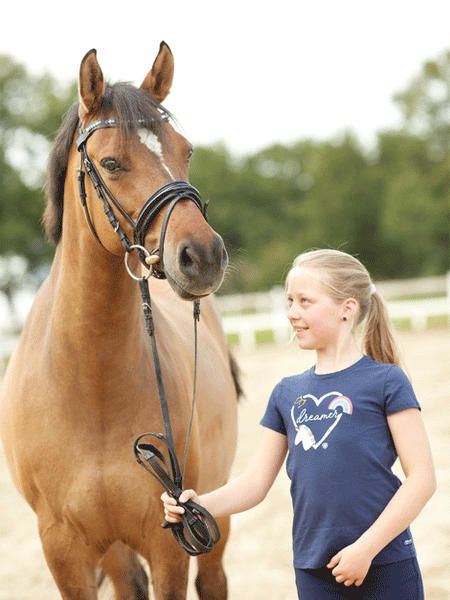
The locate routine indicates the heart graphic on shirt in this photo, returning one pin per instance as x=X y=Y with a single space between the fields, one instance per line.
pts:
x=304 y=433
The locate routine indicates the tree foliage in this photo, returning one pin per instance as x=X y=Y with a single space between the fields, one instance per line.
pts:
x=389 y=207
x=425 y=104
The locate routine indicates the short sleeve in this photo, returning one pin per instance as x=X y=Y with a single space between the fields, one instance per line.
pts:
x=272 y=418
x=399 y=393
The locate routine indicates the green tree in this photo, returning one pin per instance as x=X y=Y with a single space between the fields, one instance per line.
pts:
x=425 y=102
x=414 y=185
x=415 y=176
x=341 y=207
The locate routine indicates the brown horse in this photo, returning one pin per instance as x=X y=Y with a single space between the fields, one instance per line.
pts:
x=81 y=385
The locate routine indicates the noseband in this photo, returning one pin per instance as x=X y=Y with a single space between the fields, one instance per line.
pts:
x=171 y=194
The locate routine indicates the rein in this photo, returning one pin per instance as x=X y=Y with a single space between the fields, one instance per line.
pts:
x=197 y=532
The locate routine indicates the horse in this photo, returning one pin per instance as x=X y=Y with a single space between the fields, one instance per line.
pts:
x=81 y=384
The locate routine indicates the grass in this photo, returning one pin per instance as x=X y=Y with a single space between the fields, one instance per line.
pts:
x=438 y=322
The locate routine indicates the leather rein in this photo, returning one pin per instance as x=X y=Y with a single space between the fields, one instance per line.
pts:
x=197 y=532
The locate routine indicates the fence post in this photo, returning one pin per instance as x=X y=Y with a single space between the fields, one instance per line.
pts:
x=278 y=310
x=247 y=339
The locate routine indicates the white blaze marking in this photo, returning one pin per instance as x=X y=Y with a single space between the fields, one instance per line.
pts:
x=154 y=145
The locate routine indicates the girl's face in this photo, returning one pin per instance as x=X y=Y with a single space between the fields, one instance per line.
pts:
x=315 y=317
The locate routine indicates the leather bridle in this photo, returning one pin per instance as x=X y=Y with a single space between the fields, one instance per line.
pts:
x=171 y=194
x=197 y=532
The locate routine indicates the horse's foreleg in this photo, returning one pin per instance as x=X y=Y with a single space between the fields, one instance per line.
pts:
x=211 y=581
x=71 y=563
x=127 y=575
x=169 y=565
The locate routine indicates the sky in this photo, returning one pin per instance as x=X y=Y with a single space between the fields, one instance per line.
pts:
x=246 y=76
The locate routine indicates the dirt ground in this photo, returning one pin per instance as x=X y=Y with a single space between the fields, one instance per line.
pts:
x=259 y=558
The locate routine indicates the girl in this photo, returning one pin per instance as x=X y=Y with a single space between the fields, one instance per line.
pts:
x=342 y=424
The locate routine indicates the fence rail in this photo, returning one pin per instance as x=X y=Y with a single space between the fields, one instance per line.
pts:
x=268 y=310
x=390 y=290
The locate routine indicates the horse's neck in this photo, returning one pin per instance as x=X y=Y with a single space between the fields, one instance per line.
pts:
x=96 y=302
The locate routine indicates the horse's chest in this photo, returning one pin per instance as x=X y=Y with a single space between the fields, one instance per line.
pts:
x=102 y=502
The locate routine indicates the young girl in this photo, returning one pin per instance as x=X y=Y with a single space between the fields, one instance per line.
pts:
x=342 y=424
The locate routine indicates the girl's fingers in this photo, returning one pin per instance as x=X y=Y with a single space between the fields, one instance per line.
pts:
x=172 y=515
x=168 y=499
x=334 y=561
x=172 y=509
x=187 y=495
x=170 y=519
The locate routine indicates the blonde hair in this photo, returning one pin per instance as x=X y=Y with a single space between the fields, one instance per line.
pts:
x=344 y=276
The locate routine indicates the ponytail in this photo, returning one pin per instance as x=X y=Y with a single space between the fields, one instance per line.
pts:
x=378 y=337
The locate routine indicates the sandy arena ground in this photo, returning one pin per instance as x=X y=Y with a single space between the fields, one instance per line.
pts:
x=258 y=558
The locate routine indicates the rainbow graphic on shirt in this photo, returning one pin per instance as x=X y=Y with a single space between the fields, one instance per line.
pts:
x=343 y=402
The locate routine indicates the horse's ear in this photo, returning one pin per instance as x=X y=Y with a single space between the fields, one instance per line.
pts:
x=91 y=84
x=159 y=80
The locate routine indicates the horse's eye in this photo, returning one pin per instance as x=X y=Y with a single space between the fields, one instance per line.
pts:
x=110 y=165
x=191 y=152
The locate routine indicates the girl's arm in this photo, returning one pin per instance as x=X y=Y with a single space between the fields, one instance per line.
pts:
x=243 y=492
x=351 y=564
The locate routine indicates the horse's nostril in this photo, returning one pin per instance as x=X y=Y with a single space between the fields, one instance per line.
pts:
x=186 y=258
x=199 y=260
x=190 y=260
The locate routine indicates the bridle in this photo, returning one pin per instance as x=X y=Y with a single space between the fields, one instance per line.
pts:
x=171 y=194
x=197 y=532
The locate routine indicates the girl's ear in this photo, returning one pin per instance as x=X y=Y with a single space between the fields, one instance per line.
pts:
x=349 y=309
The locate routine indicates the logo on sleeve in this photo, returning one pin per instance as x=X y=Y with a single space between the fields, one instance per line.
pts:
x=312 y=423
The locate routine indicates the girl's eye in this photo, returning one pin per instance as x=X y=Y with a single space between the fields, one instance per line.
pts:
x=111 y=165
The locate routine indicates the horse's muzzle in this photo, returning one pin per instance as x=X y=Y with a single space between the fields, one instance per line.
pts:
x=194 y=267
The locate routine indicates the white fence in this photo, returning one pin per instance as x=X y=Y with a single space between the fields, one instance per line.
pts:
x=268 y=310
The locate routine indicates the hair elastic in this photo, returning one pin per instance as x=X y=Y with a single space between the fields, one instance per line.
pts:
x=373 y=289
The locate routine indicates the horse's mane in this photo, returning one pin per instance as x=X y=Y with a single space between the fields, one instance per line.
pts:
x=129 y=105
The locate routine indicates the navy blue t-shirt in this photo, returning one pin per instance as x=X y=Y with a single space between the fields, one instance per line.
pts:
x=340 y=455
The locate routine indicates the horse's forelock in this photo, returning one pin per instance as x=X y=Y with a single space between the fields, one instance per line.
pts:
x=130 y=106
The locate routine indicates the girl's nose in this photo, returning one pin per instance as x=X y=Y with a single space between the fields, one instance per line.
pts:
x=292 y=314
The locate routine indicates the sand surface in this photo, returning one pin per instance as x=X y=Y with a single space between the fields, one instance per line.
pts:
x=259 y=557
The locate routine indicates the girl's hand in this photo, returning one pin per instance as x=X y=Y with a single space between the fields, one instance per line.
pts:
x=172 y=509
x=350 y=565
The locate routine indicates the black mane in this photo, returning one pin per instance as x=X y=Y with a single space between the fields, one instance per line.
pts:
x=130 y=106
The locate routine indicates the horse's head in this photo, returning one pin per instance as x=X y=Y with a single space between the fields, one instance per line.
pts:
x=131 y=150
